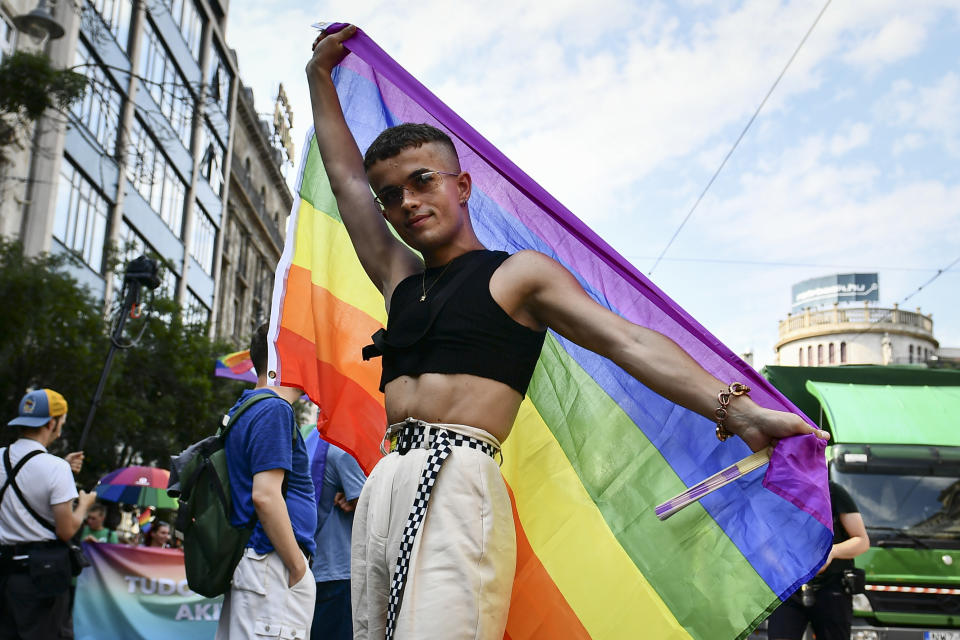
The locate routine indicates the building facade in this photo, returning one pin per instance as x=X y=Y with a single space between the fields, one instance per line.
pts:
x=254 y=222
x=143 y=162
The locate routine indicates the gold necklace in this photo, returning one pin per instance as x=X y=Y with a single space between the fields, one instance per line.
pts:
x=423 y=281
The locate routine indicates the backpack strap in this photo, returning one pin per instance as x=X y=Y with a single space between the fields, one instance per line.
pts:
x=228 y=422
x=12 y=482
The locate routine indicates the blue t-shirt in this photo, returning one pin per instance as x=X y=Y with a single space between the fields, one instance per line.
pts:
x=341 y=473
x=260 y=440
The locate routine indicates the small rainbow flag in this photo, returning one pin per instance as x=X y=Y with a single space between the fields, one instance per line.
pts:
x=236 y=365
x=145 y=519
x=593 y=451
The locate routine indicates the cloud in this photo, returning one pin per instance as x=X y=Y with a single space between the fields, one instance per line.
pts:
x=857 y=136
x=897 y=39
x=932 y=109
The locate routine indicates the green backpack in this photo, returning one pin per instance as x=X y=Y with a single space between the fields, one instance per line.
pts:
x=212 y=547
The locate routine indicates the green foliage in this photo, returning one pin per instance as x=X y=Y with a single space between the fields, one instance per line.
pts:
x=160 y=395
x=30 y=84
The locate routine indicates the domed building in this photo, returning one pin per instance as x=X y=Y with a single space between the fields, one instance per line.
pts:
x=835 y=322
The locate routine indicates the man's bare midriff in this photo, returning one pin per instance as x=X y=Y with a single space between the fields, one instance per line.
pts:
x=454 y=399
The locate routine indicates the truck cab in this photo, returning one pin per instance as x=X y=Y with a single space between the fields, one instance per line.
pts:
x=895 y=448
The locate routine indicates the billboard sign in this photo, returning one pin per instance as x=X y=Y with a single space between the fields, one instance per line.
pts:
x=841 y=287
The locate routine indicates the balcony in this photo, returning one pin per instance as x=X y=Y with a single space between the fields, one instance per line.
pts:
x=845 y=319
x=253 y=196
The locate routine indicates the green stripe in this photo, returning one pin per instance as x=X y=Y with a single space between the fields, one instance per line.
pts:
x=315 y=187
x=697 y=570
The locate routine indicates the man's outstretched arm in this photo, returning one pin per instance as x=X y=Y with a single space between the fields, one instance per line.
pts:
x=385 y=259
x=551 y=296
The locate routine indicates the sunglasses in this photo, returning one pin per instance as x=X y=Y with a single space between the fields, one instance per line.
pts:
x=420 y=184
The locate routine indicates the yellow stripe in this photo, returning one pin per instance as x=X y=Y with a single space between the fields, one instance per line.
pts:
x=572 y=540
x=324 y=249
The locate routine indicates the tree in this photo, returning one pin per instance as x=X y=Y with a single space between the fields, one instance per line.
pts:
x=160 y=395
x=29 y=85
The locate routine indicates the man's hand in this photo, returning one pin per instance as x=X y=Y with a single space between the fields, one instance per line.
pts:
x=75 y=460
x=85 y=501
x=328 y=51
x=297 y=573
x=345 y=505
x=760 y=427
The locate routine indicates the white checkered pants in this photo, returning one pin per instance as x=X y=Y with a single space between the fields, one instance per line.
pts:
x=411 y=436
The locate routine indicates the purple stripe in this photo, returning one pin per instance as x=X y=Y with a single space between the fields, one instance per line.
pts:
x=597 y=262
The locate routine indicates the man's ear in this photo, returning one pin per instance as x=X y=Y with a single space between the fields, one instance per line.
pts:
x=464 y=187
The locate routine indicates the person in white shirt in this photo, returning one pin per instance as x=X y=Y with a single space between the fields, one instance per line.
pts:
x=37 y=518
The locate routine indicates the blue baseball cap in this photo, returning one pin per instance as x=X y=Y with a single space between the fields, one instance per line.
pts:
x=38 y=407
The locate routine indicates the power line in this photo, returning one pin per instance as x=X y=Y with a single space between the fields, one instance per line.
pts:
x=806 y=265
x=739 y=138
x=887 y=315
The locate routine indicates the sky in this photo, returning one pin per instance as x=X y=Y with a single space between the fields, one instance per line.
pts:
x=624 y=112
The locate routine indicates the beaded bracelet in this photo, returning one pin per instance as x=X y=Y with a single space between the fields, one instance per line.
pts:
x=735 y=389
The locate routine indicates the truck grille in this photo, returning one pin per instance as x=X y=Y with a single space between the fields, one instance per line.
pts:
x=914 y=599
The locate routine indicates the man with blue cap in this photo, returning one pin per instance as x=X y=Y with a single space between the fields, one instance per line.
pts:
x=37 y=518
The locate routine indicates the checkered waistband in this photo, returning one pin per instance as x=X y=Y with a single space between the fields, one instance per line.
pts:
x=416 y=434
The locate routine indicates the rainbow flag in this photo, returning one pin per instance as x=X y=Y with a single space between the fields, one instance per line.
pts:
x=593 y=451
x=236 y=365
x=145 y=519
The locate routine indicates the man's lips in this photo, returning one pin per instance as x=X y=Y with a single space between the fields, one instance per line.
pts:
x=416 y=220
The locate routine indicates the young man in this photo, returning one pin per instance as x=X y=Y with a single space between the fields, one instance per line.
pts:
x=340 y=487
x=454 y=375
x=37 y=516
x=93 y=530
x=272 y=590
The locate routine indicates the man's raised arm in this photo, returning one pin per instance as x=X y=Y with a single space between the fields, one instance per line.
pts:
x=385 y=259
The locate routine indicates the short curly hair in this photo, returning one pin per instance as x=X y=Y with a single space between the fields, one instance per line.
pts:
x=392 y=141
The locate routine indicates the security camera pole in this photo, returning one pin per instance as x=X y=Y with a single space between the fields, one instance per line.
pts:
x=141 y=272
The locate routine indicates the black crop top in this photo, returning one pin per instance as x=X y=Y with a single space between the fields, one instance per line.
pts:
x=459 y=328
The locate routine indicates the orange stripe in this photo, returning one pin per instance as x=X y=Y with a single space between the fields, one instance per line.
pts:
x=339 y=329
x=537 y=608
x=357 y=419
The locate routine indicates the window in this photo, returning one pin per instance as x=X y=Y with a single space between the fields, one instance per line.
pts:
x=187 y=17
x=819 y=355
x=155 y=179
x=800 y=357
x=114 y=15
x=911 y=354
x=166 y=84
x=195 y=312
x=204 y=239
x=99 y=109
x=7 y=36
x=831 y=353
x=809 y=356
x=211 y=162
x=218 y=80
x=81 y=218
x=843 y=353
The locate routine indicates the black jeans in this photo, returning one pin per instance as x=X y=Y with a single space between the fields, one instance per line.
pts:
x=830 y=615
x=28 y=615
x=332 y=617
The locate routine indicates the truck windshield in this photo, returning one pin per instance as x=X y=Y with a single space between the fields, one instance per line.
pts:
x=910 y=507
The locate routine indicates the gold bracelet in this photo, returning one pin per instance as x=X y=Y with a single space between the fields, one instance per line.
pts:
x=735 y=389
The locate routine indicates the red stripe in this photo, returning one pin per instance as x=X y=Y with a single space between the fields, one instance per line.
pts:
x=537 y=608
x=356 y=420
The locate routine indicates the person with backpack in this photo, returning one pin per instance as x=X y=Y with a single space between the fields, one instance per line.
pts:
x=272 y=590
x=37 y=518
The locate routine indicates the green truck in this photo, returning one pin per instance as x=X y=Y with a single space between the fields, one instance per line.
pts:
x=895 y=446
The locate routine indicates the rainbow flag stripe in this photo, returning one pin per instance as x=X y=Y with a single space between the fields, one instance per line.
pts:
x=236 y=365
x=593 y=451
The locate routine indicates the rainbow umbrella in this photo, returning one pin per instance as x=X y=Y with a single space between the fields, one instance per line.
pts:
x=143 y=486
